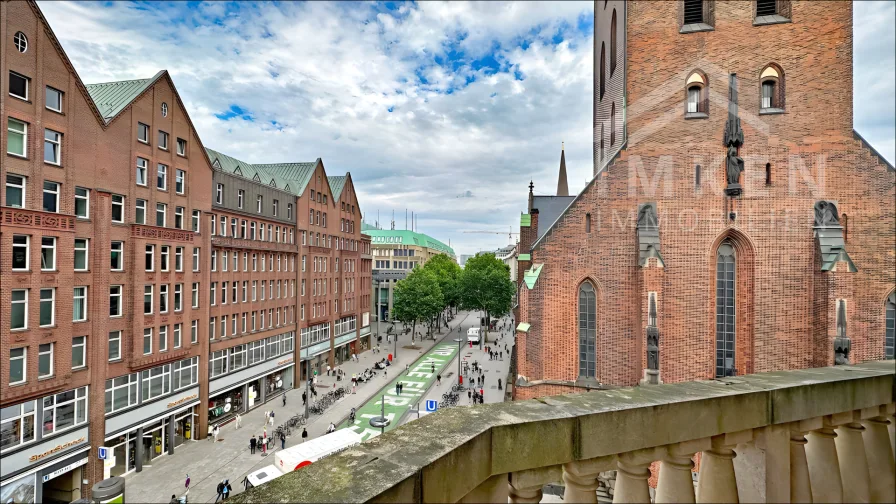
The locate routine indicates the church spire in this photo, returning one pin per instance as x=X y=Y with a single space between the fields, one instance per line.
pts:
x=562 y=186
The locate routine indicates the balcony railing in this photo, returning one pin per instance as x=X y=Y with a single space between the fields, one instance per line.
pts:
x=790 y=436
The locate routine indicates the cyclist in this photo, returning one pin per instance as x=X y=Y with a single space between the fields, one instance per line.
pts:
x=331 y=428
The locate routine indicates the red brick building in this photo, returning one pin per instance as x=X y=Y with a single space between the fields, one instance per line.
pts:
x=126 y=247
x=714 y=240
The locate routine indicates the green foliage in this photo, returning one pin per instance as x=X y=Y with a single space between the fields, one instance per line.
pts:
x=485 y=285
x=417 y=297
x=447 y=274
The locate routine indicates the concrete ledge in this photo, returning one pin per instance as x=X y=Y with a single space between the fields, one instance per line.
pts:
x=444 y=456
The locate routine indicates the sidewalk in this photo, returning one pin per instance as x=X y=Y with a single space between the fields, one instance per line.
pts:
x=208 y=463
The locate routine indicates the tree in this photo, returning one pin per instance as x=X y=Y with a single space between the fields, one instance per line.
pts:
x=417 y=298
x=485 y=285
x=448 y=274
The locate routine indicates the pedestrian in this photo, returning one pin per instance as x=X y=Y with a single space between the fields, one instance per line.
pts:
x=407 y=369
x=499 y=384
x=284 y=399
x=331 y=428
x=267 y=414
x=173 y=499
x=481 y=392
x=252 y=444
x=438 y=379
x=187 y=484
x=470 y=395
x=227 y=489
x=239 y=421
x=304 y=398
x=264 y=445
x=400 y=387
x=397 y=389
x=215 y=432
x=264 y=432
x=501 y=355
x=433 y=368
x=328 y=370
x=220 y=490
x=245 y=483
x=351 y=416
x=282 y=440
x=304 y=434
x=353 y=387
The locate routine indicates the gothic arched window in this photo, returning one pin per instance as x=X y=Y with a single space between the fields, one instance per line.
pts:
x=725 y=310
x=890 y=335
x=603 y=71
x=587 y=331
x=613 y=43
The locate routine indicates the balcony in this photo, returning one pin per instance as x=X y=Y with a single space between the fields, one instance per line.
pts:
x=790 y=436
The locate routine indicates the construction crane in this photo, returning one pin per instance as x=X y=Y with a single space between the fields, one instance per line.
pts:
x=509 y=234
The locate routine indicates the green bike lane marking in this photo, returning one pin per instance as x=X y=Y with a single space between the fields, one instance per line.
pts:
x=415 y=384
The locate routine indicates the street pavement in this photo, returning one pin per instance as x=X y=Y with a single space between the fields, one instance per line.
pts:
x=208 y=462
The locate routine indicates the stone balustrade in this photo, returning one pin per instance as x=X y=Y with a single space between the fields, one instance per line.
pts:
x=821 y=434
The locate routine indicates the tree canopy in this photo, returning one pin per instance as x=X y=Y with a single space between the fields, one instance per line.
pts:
x=417 y=297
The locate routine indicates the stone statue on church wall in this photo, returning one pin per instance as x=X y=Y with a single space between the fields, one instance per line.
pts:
x=826 y=214
x=647 y=216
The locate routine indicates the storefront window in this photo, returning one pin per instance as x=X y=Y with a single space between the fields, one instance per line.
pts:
x=183 y=428
x=124 y=448
x=224 y=406
x=154 y=441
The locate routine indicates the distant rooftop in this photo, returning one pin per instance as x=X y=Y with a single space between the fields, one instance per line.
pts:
x=289 y=177
x=404 y=237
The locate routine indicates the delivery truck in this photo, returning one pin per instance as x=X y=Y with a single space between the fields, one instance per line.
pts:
x=473 y=335
x=296 y=457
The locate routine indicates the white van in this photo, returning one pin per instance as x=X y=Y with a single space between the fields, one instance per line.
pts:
x=263 y=475
x=473 y=335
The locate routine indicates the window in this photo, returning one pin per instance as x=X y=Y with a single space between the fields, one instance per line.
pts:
x=211 y=328
x=766 y=7
x=82 y=203
x=52 y=147
x=233 y=229
x=17 y=422
x=178 y=297
x=162 y=179
x=142 y=132
x=79 y=307
x=163 y=339
x=180 y=178
x=603 y=72
x=117 y=208
x=149 y=256
x=181 y=147
x=156 y=382
x=147 y=341
x=79 y=352
x=21 y=251
x=219 y=194
x=147 y=299
x=258 y=203
x=64 y=410
x=21 y=43
x=163 y=298
x=222 y=229
x=613 y=43
x=53 y=99
x=179 y=217
x=141 y=171
x=289 y=210
x=51 y=197
x=196 y=258
x=115 y=300
x=18 y=85
x=115 y=345
x=185 y=373
x=16 y=141
x=772 y=92
x=15 y=191
x=587 y=224
x=163 y=140
x=725 y=310
x=45 y=362
x=164 y=109
x=194 y=332
x=18 y=317
x=276 y=204
x=213 y=293
x=890 y=326
x=613 y=124
x=693 y=12
x=768 y=174
x=161 y=209
x=48 y=253
x=697 y=95
x=196 y=214
x=140 y=214
x=121 y=392
x=117 y=256
x=81 y=249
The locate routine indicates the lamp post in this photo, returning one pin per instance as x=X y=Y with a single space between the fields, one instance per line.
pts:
x=460 y=345
x=307 y=381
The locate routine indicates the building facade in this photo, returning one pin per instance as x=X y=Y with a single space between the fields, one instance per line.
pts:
x=394 y=254
x=734 y=224
x=127 y=247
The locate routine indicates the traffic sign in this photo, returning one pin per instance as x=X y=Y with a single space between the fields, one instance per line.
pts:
x=431 y=405
x=102 y=453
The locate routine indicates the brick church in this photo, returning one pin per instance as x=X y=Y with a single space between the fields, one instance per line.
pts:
x=735 y=223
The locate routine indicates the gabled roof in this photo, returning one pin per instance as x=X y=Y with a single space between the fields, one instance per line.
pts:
x=289 y=177
x=336 y=184
x=113 y=97
x=550 y=208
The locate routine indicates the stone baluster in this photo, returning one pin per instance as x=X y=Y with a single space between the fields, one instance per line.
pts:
x=824 y=465
x=526 y=486
x=632 y=472
x=880 y=460
x=676 y=483
x=851 y=456
x=800 y=483
x=716 y=481
x=580 y=478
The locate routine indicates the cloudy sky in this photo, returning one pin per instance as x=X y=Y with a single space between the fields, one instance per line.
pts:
x=444 y=109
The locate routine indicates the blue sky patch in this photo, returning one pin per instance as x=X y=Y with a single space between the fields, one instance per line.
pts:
x=235 y=111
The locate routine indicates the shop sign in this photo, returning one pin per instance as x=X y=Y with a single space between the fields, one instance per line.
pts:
x=58 y=448
x=284 y=361
x=182 y=400
x=63 y=470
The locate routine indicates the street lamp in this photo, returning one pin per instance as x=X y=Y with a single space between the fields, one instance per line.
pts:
x=460 y=345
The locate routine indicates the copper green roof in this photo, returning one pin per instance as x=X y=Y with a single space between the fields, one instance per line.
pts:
x=523 y=327
x=336 y=184
x=112 y=97
x=405 y=237
x=531 y=275
x=524 y=257
x=525 y=220
x=290 y=177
